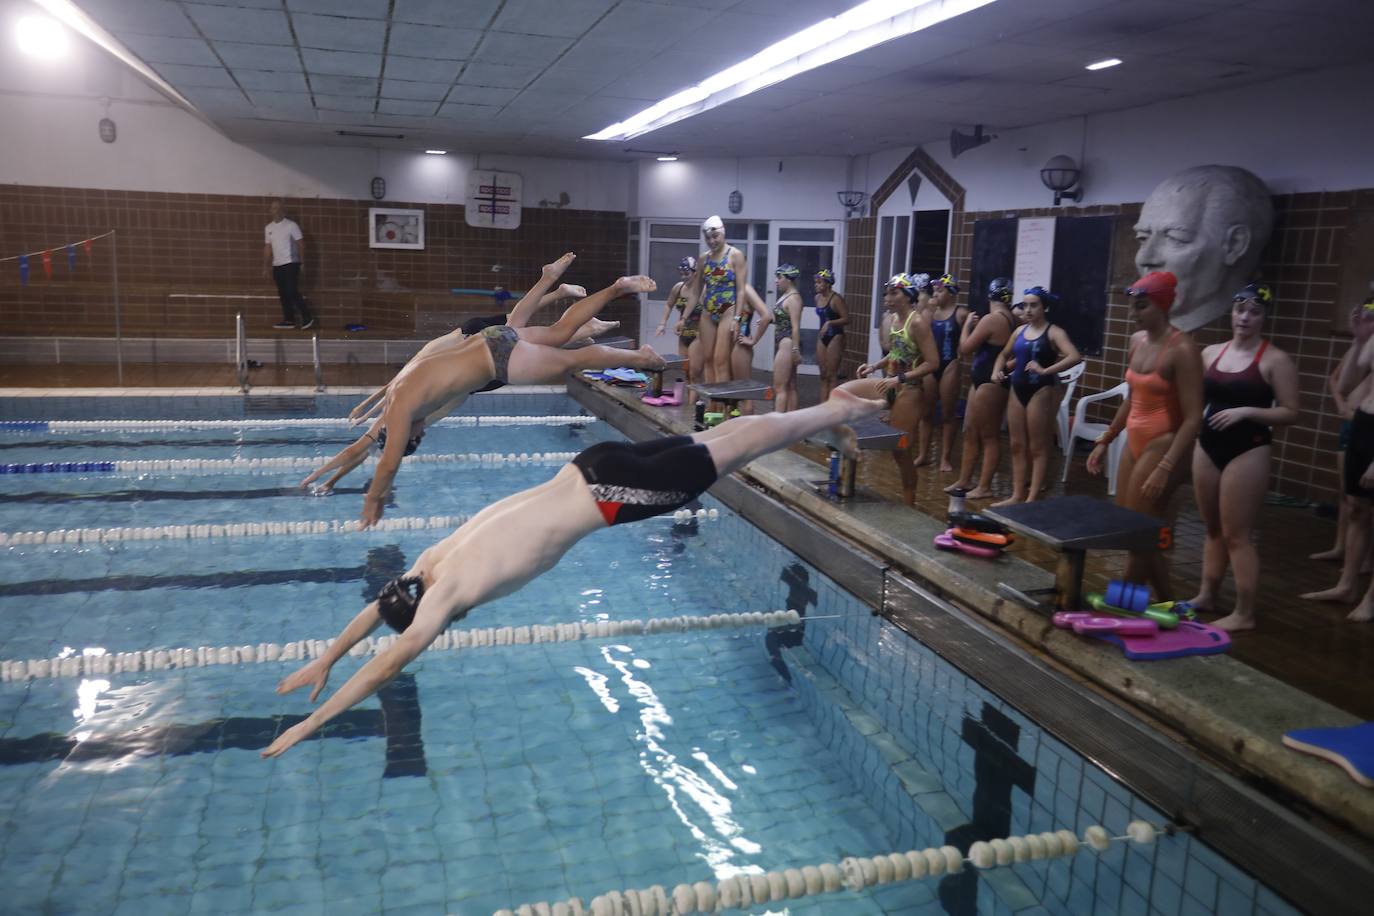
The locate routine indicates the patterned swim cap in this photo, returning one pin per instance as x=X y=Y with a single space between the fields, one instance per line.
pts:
x=904 y=282
x=1260 y=291
x=790 y=271
x=826 y=274
x=1000 y=290
x=947 y=281
x=687 y=263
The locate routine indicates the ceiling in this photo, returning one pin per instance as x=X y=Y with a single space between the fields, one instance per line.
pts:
x=534 y=76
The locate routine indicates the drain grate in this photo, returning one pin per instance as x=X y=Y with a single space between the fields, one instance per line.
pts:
x=278 y=404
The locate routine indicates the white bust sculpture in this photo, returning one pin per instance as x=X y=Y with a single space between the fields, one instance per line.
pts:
x=1207 y=225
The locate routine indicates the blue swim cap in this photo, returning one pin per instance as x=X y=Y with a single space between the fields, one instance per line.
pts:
x=1260 y=291
x=947 y=281
x=1041 y=293
x=826 y=274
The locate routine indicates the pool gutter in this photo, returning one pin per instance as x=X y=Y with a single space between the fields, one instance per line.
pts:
x=1197 y=738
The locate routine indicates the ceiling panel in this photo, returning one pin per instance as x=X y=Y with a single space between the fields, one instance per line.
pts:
x=230 y=23
x=339 y=33
x=539 y=74
x=258 y=57
x=434 y=42
x=560 y=18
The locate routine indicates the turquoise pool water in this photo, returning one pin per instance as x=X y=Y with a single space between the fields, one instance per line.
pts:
x=488 y=778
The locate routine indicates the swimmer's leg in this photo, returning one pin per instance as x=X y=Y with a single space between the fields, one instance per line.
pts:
x=579 y=313
x=740 y=441
x=530 y=302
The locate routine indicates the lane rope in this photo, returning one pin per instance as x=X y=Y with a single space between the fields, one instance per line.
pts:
x=62 y=536
x=852 y=874
x=68 y=426
x=229 y=465
x=98 y=661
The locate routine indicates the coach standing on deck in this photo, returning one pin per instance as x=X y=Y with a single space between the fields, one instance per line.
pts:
x=283 y=252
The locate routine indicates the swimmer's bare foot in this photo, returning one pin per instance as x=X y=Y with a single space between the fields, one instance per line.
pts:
x=636 y=284
x=853 y=406
x=946 y=467
x=979 y=493
x=1362 y=614
x=647 y=359
x=957 y=485
x=1339 y=593
x=1011 y=500
x=596 y=326
x=921 y=461
x=555 y=270
x=572 y=291
x=1234 y=622
x=1335 y=553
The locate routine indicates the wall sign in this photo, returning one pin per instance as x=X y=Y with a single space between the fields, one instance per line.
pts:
x=493 y=200
x=388 y=228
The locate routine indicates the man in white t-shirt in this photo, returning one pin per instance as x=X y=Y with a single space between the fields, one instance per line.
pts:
x=283 y=253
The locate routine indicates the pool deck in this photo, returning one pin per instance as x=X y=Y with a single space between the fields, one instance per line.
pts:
x=1231 y=713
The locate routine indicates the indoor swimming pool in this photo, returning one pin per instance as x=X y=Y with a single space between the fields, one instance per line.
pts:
x=483 y=779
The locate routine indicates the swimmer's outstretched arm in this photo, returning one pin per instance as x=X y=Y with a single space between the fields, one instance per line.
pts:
x=316 y=673
x=346 y=460
x=437 y=608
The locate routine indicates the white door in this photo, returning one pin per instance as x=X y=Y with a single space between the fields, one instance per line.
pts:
x=808 y=246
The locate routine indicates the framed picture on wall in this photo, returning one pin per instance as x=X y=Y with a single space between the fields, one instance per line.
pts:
x=388 y=228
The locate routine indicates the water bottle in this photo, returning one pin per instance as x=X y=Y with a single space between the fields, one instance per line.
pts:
x=834 y=487
x=956 y=500
x=700 y=412
x=679 y=389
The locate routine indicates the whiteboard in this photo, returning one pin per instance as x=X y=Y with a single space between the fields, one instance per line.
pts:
x=1034 y=254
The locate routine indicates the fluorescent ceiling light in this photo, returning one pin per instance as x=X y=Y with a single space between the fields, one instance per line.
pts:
x=436 y=152
x=1103 y=64
x=667 y=159
x=852 y=31
x=41 y=37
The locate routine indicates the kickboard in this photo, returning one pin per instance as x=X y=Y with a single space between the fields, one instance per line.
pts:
x=1191 y=638
x=947 y=541
x=1351 y=749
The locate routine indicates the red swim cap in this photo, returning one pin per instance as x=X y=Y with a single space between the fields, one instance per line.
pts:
x=1158 y=286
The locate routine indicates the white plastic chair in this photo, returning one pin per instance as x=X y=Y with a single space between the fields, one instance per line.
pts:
x=1082 y=429
x=1069 y=378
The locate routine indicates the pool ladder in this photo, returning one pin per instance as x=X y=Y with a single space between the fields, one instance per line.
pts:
x=241 y=355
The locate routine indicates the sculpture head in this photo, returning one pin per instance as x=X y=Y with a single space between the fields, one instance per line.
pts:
x=1206 y=225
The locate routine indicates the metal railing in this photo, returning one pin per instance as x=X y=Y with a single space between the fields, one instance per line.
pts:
x=241 y=352
x=315 y=355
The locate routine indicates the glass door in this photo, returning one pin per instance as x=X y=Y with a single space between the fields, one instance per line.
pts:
x=808 y=246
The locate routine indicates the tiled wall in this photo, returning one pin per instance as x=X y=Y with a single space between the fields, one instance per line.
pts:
x=174 y=245
x=946 y=762
x=1302 y=260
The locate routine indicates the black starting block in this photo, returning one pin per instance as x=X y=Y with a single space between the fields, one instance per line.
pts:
x=732 y=392
x=1073 y=525
x=874 y=436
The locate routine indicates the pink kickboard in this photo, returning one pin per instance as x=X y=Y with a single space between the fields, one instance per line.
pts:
x=1093 y=625
x=1191 y=638
x=948 y=541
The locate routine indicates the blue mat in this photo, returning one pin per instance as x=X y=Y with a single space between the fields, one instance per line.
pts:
x=1351 y=749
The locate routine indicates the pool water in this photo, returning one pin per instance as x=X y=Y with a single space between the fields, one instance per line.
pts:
x=486 y=778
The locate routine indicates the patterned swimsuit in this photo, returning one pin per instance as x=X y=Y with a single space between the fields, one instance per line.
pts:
x=719 y=296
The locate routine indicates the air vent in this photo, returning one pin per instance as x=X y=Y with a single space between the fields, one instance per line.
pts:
x=369 y=134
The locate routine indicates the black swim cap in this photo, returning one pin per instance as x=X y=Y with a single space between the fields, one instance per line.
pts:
x=411 y=444
x=1260 y=291
x=398 y=599
x=1000 y=289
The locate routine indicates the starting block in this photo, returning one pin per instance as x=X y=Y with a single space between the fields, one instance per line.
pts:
x=874 y=436
x=739 y=390
x=1073 y=525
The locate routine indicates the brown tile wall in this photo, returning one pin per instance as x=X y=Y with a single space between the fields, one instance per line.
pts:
x=212 y=244
x=1303 y=261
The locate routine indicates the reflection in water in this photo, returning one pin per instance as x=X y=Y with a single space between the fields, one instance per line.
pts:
x=681 y=783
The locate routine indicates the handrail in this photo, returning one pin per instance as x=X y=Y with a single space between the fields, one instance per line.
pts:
x=315 y=353
x=241 y=351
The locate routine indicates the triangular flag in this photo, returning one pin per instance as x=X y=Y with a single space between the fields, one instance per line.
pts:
x=71 y=259
x=87 y=243
x=23 y=270
x=47 y=263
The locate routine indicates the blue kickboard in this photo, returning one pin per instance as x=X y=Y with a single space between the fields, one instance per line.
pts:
x=1351 y=748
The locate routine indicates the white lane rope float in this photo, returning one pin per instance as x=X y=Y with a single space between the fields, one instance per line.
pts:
x=296 y=463
x=101 y=662
x=263 y=529
x=110 y=426
x=853 y=874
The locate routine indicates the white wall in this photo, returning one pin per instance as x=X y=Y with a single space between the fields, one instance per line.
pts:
x=696 y=188
x=1304 y=133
